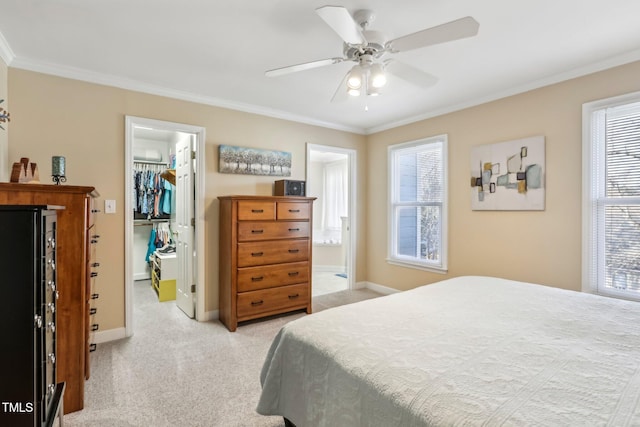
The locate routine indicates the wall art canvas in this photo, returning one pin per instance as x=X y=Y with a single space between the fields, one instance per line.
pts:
x=508 y=175
x=254 y=161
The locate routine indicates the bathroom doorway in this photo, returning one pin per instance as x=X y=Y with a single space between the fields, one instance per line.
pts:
x=331 y=173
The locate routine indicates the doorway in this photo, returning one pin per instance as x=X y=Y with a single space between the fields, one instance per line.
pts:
x=331 y=178
x=176 y=152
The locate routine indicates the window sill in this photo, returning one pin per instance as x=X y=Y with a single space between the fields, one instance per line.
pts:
x=417 y=266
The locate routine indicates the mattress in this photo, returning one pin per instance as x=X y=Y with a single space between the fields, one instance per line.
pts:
x=465 y=351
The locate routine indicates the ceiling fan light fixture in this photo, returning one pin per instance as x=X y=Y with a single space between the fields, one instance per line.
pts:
x=378 y=77
x=373 y=91
x=355 y=78
x=353 y=92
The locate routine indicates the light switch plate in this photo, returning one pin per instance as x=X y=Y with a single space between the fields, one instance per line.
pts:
x=109 y=206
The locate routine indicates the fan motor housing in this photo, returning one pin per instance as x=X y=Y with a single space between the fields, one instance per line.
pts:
x=375 y=46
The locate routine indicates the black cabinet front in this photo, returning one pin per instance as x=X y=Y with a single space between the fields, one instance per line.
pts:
x=29 y=395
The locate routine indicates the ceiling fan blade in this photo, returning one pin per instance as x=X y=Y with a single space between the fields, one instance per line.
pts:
x=454 y=30
x=341 y=21
x=301 y=67
x=410 y=74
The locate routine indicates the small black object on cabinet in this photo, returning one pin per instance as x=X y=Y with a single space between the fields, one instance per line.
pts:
x=29 y=393
x=287 y=187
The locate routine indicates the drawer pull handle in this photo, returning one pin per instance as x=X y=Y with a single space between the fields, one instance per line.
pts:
x=95 y=296
x=294 y=273
x=96 y=236
x=94 y=274
x=94 y=241
x=294 y=210
x=92 y=347
x=257 y=279
x=95 y=327
x=257 y=253
x=93 y=311
x=257 y=231
x=255 y=303
x=294 y=229
x=95 y=264
x=257 y=210
x=294 y=251
x=294 y=296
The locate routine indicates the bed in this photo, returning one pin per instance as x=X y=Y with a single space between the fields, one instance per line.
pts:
x=465 y=351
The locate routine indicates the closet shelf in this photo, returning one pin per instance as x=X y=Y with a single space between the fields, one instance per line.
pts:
x=150 y=221
x=151 y=162
x=169 y=175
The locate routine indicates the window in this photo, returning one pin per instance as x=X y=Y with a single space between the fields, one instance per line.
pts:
x=611 y=197
x=418 y=204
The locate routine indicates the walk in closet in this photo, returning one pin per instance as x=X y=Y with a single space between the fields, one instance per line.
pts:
x=174 y=152
x=153 y=197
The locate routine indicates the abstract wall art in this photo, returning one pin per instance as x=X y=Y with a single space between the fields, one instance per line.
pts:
x=508 y=175
x=254 y=161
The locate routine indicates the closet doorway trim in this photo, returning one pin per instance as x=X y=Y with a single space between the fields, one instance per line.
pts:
x=130 y=123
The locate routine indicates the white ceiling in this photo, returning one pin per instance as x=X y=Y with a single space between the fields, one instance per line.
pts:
x=216 y=52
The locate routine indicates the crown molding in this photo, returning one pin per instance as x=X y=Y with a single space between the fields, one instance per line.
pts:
x=138 y=86
x=595 y=67
x=6 y=53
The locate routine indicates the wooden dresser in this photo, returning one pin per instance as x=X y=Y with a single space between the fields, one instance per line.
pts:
x=265 y=256
x=75 y=239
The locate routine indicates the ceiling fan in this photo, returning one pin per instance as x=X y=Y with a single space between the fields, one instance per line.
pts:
x=369 y=48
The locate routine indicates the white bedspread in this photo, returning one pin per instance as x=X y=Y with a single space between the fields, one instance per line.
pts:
x=465 y=351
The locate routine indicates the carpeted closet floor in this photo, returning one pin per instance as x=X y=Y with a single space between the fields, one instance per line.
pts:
x=176 y=371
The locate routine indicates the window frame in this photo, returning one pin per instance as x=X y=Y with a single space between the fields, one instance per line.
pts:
x=392 y=258
x=593 y=185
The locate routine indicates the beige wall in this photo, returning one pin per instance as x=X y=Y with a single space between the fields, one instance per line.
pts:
x=85 y=123
x=4 y=134
x=542 y=247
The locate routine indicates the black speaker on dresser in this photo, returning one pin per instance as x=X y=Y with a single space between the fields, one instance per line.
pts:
x=287 y=187
x=29 y=392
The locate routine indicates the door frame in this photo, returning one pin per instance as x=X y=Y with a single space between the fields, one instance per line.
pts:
x=130 y=123
x=353 y=197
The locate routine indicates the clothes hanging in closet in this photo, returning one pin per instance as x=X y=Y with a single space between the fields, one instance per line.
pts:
x=151 y=193
x=159 y=237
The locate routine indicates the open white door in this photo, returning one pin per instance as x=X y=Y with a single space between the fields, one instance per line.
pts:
x=184 y=230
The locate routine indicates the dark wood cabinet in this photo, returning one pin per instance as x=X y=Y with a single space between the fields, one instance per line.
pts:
x=29 y=392
x=265 y=256
x=75 y=232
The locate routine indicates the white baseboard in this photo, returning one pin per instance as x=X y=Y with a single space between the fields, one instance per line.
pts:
x=142 y=276
x=109 y=335
x=385 y=290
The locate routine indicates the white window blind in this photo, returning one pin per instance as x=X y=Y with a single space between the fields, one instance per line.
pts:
x=418 y=209
x=612 y=198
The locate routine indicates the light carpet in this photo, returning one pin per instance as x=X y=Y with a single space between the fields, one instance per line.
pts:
x=175 y=371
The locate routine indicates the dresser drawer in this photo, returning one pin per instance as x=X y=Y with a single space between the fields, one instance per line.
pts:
x=272 y=300
x=293 y=210
x=256 y=210
x=272 y=252
x=263 y=277
x=268 y=230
